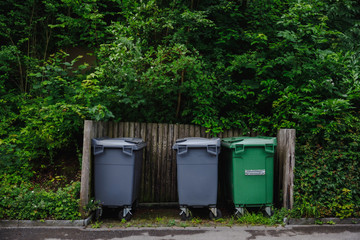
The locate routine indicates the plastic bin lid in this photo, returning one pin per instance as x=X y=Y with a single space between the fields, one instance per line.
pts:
x=134 y=143
x=248 y=141
x=196 y=142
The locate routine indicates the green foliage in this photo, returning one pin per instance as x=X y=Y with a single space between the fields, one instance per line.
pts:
x=152 y=85
x=22 y=200
x=318 y=222
x=92 y=206
x=171 y=223
x=279 y=215
x=253 y=65
x=97 y=224
x=327 y=179
x=39 y=124
x=254 y=218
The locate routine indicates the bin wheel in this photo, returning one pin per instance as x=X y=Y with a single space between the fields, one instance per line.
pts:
x=218 y=213
x=127 y=217
x=184 y=217
x=98 y=212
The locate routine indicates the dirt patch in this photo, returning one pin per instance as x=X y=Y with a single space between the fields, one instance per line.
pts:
x=64 y=169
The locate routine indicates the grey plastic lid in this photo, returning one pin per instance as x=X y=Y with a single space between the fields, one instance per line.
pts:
x=137 y=143
x=195 y=142
x=126 y=143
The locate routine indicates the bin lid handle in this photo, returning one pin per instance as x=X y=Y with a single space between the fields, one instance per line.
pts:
x=269 y=148
x=239 y=148
x=128 y=150
x=212 y=149
x=182 y=149
x=134 y=140
x=98 y=149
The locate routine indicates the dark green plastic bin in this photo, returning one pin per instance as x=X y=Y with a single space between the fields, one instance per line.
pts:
x=249 y=170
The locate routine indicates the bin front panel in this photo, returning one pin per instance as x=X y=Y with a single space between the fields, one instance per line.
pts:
x=117 y=177
x=197 y=184
x=252 y=177
x=114 y=184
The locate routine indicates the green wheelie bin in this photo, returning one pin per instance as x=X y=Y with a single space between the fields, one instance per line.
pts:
x=248 y=169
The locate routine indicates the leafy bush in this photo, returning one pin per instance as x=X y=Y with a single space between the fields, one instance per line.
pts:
x=23 y=200
x=49 y=118
x=327 y=182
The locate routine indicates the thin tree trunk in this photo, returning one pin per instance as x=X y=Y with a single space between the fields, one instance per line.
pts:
x=21 y=83
x=179 y=94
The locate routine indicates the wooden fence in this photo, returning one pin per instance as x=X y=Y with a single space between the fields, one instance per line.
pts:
x=159 y=179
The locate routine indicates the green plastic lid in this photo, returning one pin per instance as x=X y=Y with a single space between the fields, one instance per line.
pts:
x=259 y=141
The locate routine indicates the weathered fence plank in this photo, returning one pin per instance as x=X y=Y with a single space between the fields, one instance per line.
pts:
x=159 y=176
x=284 y=166
x=173 y=174
x=131 y=129
x=85 y=191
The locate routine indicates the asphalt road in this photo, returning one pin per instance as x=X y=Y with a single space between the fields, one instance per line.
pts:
x=336 y=232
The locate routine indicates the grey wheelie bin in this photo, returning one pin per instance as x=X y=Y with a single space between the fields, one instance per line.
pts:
x=250 y=171
x=197 y=174
x=117 y=173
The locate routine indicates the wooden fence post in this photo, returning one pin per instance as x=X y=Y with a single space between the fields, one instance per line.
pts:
x=85 y=189
x=286 y=164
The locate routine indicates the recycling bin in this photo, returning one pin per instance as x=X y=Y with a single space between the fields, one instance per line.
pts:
x=117 y=173
x=197 y=174
x=249 y=171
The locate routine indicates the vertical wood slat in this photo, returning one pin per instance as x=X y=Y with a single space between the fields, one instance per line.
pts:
x=285 y=165
x=159 y=176
x=137 y=130
x=203 y=131
x=163 y=162
x=85 y=189
x=159 y=160
x=175 y=136
x=144 y=165
x=167 y=158
x=191 y=131
x=126 y=129
x=120 y=129
x=197 y=131
x=104 y=132
x=149 y=167
x=154 y=162
x=110 y=129
x=95 y=129
x=116 y=130
x=131 y=129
